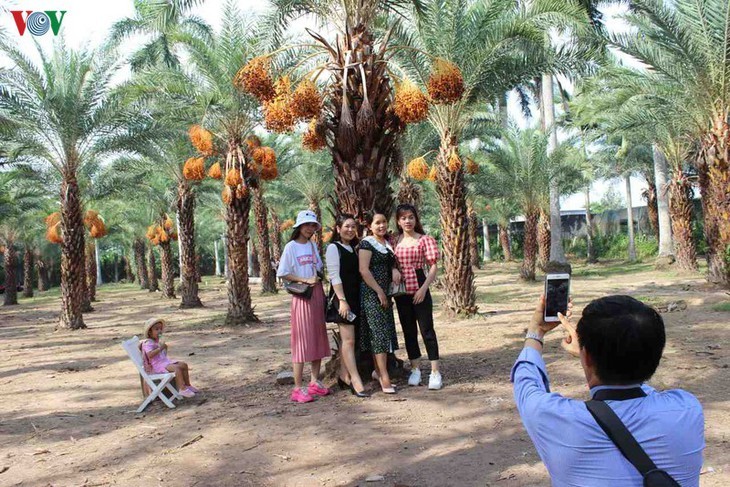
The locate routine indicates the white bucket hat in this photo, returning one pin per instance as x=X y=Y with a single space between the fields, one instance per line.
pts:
x=307 y=216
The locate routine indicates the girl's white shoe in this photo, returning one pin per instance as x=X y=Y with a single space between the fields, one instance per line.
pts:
x=415 y=378
x=434 y=381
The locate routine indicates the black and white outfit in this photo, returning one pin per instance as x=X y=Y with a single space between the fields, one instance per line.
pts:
x=343 y=268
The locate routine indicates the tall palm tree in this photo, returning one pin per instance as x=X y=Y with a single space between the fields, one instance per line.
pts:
x=611 y=101
x=482 y=49
x=166 y=157
x=519 y=168
x=231 y=117
x=685 y=45
x=18 y=198
x=357 y=121
x=166 y=25
x=65 y=115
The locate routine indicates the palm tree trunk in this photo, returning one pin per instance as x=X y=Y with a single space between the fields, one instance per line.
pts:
x=42 y=271
x=451 y=192
x=713 y=164
x=276 y=247
x=268 y=275
x=240 y=310
x=652 y=207
x=11 y=275
x=91 y=270
x=680 y=201
x=361 y=157
x=504 y=242
x=473 y=237
x=128 y=274
x=217 y=258
x=557 y=254
x=152 y=284
x=86 y=297
x=139 y=259
x=188 y=260
x=630 y=219
x=168 y=276
x=253 y=260
x=27 y=272
x=661 y=176
x=485 y=236
x=530 y=244
x=73 y=292
x=543 y=239
x=591 y=257
x=226 y=260
x=116 y=268
x=97 y=255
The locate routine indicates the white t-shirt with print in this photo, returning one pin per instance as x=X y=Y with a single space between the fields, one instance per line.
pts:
x=297 y=259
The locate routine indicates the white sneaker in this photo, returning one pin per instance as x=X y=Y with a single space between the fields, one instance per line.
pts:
x=415 y=378
x=434 y=381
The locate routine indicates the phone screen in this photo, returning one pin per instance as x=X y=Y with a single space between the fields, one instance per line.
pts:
x=556 y=299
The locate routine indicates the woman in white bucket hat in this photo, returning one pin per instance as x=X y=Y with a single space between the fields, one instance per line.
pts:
x=301 y=263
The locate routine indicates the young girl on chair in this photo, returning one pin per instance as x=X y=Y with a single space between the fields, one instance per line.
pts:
x=154 y=354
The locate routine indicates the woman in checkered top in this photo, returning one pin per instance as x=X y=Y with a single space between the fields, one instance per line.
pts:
x=418 y=256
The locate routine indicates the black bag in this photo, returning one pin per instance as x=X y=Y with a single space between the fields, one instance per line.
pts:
x=611 y=424
x=332 y=312
x=299 y=289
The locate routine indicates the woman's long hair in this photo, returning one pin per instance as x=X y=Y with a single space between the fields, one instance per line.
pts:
x=339 y=221
x=403 y=209
x=295 y=233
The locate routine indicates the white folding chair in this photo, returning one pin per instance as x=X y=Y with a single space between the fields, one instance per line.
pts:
x=132 y=347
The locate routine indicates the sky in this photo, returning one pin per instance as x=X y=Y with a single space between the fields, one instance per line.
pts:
x=87 y=22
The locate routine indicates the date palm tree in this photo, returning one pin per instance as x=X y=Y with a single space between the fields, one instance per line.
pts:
x=18 y=200
x=495 y=45
x=612 y=102
x=519 y=168
x=684 y=45
x=166 y=24
x=359 y=87
x=65 y=114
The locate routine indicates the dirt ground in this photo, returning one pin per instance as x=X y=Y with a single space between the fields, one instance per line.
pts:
x=67 y=415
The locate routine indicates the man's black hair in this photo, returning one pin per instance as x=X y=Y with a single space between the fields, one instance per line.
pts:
x=624 y=337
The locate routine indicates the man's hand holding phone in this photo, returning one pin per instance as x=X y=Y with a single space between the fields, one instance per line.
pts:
x=538 y=326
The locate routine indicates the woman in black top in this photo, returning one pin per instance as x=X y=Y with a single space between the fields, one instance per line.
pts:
x=342 y=268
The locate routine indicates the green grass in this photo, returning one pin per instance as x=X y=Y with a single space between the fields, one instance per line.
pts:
x=610 y=269
x=722 y=306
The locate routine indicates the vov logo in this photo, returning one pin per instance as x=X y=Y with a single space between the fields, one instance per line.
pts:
x=38 y=23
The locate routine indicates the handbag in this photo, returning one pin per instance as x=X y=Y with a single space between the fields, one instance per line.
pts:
x=396 y=290
x=332 y=313
x=299 y=289
x=302 y=289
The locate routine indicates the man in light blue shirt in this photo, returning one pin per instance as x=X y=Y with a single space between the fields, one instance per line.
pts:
x=619 y=341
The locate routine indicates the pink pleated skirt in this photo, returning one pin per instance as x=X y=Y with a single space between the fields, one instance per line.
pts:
x=308 y=329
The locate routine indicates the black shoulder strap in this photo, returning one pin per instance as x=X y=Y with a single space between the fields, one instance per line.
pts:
x=621 y=436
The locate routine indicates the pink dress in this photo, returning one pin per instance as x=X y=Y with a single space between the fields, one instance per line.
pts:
x=309 y=339
x=159 y=362
x=308 y=328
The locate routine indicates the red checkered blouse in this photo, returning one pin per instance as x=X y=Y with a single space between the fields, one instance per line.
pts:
x=420 y=256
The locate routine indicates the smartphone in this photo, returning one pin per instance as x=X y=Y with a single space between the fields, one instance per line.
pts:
x=557 y=289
